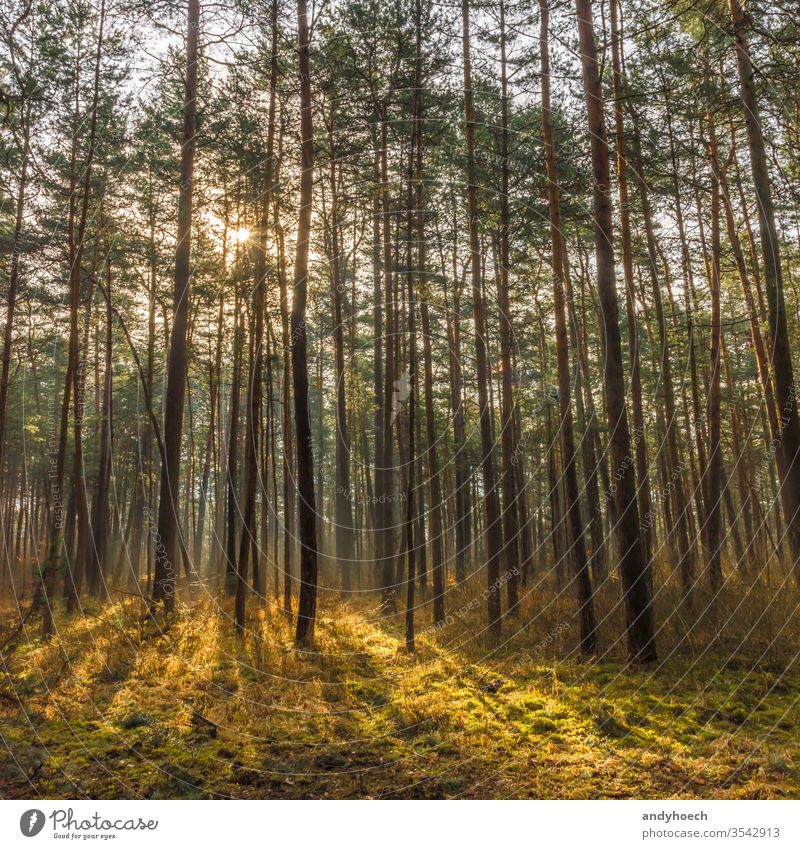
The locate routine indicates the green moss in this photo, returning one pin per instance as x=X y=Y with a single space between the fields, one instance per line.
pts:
x=137 y=719
x=541 y=725
x=360 y=717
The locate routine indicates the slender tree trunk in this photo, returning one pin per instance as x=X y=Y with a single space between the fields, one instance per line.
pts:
x=384 y=472
x=432 y=456
x=586 y=426
x=639 y=436
x=377 y=320
x=688 y=287
x=254 y=386
x=289 y=483
x=588 y=623
x=634 y=567
x=431 y=453
x=97 y=556
x=714 y=473
x=77 y=567
x=493 y=530
x=762 y=360
x=232 y=462
x=45 y=590
x=206 y=474
x=13 y=285
x=343 y=510
x=307 y=605
x=526 y=517
x=416 y=226
x=463 y=509
x=672 y=484
x=508 y=441
x=169 y=498
x=271 y=353
x=779 y=344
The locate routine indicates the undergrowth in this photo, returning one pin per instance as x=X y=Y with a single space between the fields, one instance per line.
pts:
x=118 y=706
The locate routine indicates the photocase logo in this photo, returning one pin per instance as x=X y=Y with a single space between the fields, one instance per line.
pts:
x=31 y=822
x=65 y=824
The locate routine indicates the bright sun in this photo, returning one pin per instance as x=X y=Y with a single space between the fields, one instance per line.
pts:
x=241 y=235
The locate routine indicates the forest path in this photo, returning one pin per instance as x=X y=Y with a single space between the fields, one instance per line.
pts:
x=114 y=707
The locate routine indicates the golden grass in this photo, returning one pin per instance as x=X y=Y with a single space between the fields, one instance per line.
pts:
x=117 y=707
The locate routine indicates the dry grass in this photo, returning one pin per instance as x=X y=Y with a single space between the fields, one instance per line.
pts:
x=114 y=707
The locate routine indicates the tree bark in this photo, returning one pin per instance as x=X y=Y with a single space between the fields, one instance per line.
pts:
x=780 y=347
x=13 y=284
x=634 y=568
x=307 y=510
x=169 y=498
x=97 y=555
x=588 y=625
x=640 y=440
x=508 y=436
x=714 y=473
x=343 y=510
x=254 y=386
x=493 y=530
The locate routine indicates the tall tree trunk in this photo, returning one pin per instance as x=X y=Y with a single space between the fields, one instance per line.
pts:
x=493 y=530
x=672 y=485
x=272 y=347
x=526 y=517
x=634 y=567
x=508 y=440
x=762 y=360
x=252 y=415
x=232 y=461
x=587 y=426
x=77 y=568
x=588 y=625
x=640 y=440
x=169 y=498
x=431 y=449
x=432 y=455
x=416 y=226
x=384 y=472
x=714 y=473
x=287 y=435
x=688 y=289
x=44 y=592
x=13 y=284
x=780 y=347
x=343 y=510
x=206 y=473
x=97 y=556
x=463 y=509
x=377 y=326
x=307 y=604
x=254 y=386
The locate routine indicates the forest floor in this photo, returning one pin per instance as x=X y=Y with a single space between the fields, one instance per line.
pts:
x=114 y=707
